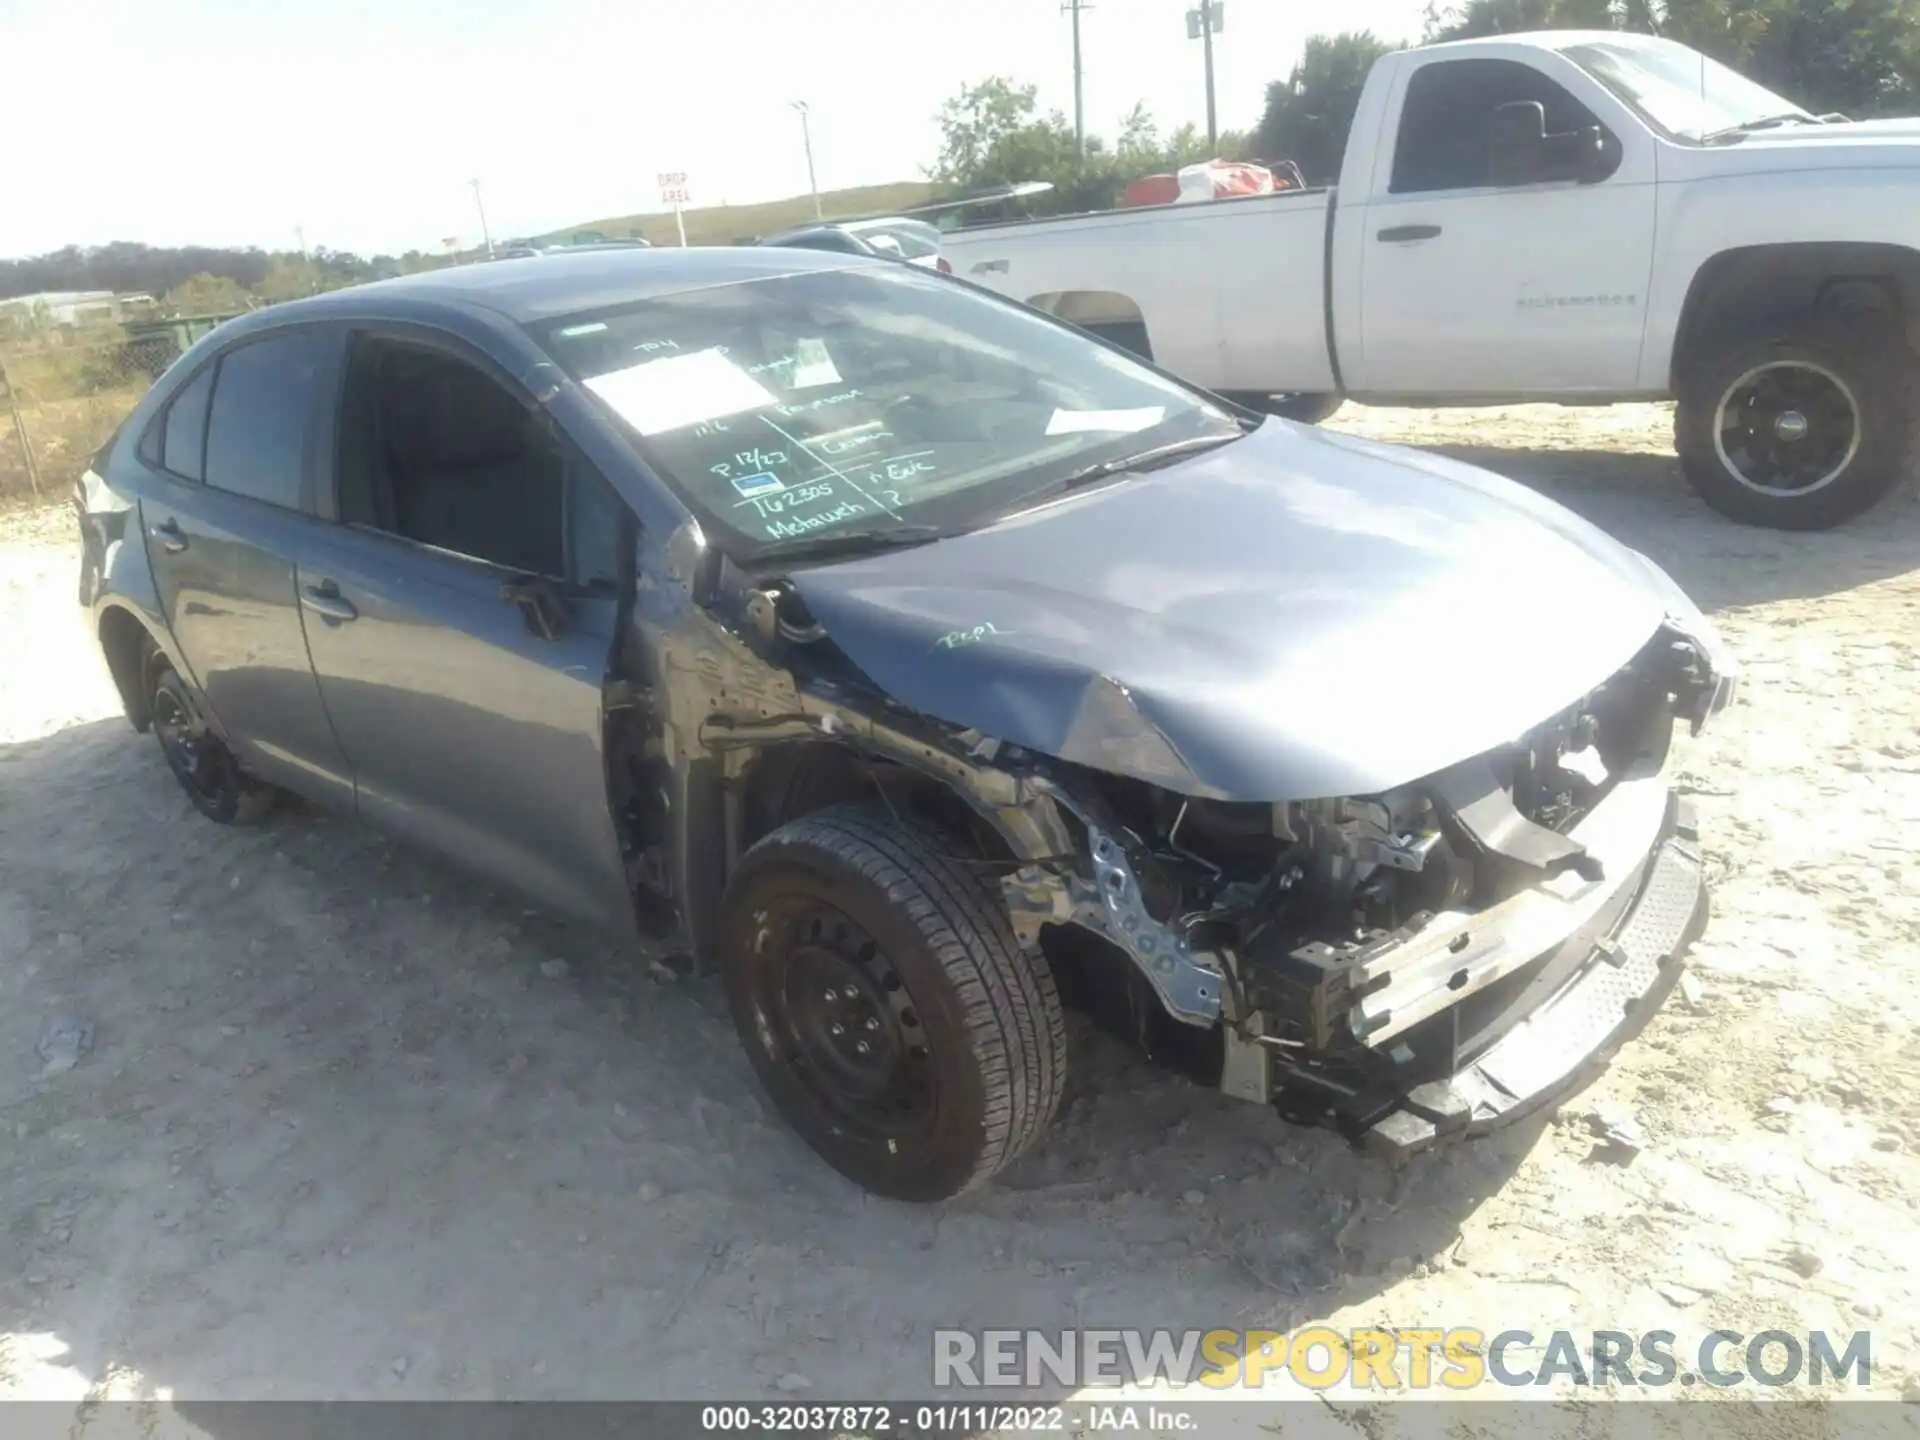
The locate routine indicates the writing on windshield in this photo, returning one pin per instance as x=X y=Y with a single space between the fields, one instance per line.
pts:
x=841 y=399
x=812 y=478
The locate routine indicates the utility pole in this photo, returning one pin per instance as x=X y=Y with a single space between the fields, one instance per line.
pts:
x=1203 y=23
x=300 y=234
x=806 y=139
x=1073 y=9
x=486 y=235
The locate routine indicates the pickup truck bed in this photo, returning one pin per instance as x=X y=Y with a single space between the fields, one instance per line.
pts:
x=1108 y=271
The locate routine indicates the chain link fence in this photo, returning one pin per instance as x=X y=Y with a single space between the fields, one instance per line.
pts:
x=62 y=393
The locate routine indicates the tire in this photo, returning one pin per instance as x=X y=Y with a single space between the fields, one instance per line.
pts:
x=846 y=918
x=1306 y=409
x=199 y=759
x=1303 y=409
x=1801 y=432
x=1129 y=335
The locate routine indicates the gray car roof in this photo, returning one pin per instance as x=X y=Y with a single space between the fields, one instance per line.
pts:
x=541 y=287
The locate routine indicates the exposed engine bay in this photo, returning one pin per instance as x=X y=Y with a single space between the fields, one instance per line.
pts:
x=1331 y=956
x=1355 y=944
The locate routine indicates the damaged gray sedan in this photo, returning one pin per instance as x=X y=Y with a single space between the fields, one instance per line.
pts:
x=924 y=664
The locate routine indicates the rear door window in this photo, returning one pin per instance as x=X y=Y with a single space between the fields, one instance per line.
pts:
x=263 y=405
x=182 y=437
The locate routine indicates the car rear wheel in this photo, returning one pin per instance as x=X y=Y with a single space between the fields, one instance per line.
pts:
x=199 y=759
x=1798 y=433
x=888 y=1011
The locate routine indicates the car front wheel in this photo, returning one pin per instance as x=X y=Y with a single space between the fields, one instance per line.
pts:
x=199 y=759
x=887 y=1008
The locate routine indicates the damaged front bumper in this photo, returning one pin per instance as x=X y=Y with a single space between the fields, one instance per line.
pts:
x=1602 y=985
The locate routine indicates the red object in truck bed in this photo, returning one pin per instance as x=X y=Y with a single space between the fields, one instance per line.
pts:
x=1152 y=190
x=1228 y=177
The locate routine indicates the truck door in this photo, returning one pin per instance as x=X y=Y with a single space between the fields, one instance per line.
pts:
x=1483 y=276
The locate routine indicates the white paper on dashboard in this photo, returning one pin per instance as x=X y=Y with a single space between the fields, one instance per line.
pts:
x=680 y=390
x=1125 y=422
x=812 y=366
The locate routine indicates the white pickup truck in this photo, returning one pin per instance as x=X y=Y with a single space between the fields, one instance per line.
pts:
x=1574 y=217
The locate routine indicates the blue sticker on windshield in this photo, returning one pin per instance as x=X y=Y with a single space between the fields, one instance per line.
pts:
x=764 y=483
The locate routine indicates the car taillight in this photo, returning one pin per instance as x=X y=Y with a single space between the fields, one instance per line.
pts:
x=942 y=266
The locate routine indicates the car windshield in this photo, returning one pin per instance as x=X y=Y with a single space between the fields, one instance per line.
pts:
x=867 y=401
x=1680 y=91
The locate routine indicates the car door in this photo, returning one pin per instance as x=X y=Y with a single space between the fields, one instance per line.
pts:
x=1474 y=284
x=227 y=467
x=462 y=604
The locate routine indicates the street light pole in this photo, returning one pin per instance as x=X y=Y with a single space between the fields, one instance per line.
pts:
x=486 y=235
x=1074 y=7
x=806 y=138
x=1203 y=23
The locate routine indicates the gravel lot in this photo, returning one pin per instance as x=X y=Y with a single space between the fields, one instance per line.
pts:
x=354 y=1126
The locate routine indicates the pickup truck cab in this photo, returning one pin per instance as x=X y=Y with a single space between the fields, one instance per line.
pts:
x=1581 y=217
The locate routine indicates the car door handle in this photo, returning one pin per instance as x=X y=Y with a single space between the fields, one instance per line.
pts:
x=325 y=599
x=1400 y=234
x=171 y=537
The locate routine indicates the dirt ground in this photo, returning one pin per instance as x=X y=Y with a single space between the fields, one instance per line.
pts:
x=354 y=1126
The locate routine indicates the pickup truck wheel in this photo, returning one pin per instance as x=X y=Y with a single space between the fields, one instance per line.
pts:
x=199 y=759
x=888 y=1011
x=1798 y=434
x=1304 y=409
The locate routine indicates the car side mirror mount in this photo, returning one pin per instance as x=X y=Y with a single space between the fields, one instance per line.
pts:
x=1517 y=142
x=541 y=603
x=1521 y=152
x=1597 y=157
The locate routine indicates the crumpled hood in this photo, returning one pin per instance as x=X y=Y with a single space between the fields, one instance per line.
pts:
x=1298 y=614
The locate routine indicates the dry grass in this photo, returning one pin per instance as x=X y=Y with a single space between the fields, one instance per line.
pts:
x=724 y=224
x=63 y=433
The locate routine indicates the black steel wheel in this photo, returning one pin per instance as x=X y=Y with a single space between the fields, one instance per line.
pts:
x=888 y=1011
x=199 y=759
x=1800 y=433
x=1302 y=407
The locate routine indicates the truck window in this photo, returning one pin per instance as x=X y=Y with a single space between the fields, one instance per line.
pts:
x=1443 y=140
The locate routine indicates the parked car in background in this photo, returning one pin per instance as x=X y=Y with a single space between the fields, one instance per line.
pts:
x=891 y=238
x=1580 y=217
x=913 y=658
x=528 y=250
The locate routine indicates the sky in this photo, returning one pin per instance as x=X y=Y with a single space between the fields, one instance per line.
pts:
x=360 y=126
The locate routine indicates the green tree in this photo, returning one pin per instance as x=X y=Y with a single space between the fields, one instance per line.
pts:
x=207 y=295
x=1858 y=57
x=993 y=133
x=1309 y=113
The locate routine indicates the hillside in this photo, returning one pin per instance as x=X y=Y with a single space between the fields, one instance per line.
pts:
x=723 y=224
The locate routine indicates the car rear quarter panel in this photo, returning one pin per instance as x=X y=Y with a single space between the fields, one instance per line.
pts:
x=125 y=595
